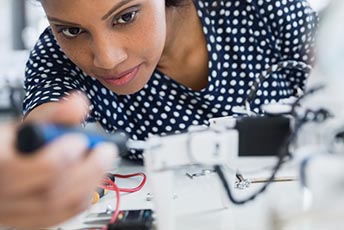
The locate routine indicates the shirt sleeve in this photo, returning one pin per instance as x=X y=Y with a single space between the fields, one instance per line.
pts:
x=293 y=25
x=49 y=74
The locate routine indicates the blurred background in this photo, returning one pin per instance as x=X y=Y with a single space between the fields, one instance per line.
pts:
x=22 y=22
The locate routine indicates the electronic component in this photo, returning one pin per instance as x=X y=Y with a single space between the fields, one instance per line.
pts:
x=262 y=135
x=137 y=219
x=133 y=220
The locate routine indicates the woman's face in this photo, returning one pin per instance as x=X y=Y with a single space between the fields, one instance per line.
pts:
x=119 y=42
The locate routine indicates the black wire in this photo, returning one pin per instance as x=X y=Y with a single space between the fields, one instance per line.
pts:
x=299 y=122
x=306 y=94
x=276 y=168
x=288 y=64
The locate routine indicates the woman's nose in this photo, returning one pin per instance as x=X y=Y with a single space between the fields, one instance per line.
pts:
x=108 y=53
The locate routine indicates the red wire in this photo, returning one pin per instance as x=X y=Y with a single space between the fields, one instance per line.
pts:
x=110 y=185
x=135 y=189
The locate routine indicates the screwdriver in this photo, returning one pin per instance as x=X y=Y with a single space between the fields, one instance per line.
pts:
x=32 y=136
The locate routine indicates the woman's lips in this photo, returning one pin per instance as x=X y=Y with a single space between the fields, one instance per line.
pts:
x=123 y=78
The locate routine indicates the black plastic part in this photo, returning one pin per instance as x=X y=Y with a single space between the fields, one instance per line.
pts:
x=135 y=225
x=29 y=138
x=111 y=177
x=141 y=219
x=263 y=136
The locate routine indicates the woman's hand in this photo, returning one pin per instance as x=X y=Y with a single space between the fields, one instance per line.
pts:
x=54 y=183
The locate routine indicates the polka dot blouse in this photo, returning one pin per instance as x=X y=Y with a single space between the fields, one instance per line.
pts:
x=244 y=38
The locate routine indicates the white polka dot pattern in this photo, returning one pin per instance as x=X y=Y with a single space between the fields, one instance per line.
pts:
x=244 y=38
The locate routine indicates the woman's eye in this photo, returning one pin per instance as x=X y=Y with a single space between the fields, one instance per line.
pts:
x=126 y=18
x=71 y=32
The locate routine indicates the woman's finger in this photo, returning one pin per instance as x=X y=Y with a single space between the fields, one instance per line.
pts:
x=26 y=174
x=66 y=196
x=68 y=111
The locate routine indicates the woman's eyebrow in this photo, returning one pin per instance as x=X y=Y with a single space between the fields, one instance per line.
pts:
x=116 y=7
x=53 y=19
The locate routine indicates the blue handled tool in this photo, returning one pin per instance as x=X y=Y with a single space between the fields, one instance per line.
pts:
x=32 y=136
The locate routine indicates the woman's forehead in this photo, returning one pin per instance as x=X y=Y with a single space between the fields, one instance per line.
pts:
x=79 y=9
x=81 y=4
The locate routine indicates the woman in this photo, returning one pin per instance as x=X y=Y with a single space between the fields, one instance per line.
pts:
x=156 y=67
